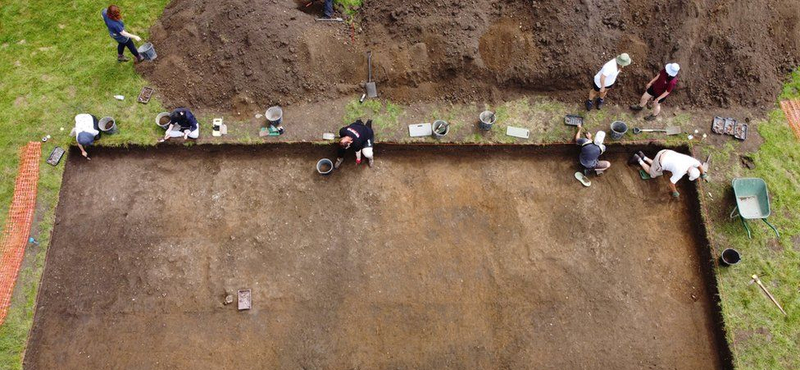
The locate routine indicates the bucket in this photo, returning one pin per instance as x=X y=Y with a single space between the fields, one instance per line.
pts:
x=162 y=120
x=324 y=166
x=487 y=120
x=618 y=130
x=108 y=125
x=147 y=51
x=274 y=116
x=730 y=257
x=440 y=128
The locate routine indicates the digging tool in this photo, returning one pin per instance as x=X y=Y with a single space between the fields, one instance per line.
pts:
x=330 y=20
x=705 y=164
x=372 y=89
x=758 y=281
x=671 y=130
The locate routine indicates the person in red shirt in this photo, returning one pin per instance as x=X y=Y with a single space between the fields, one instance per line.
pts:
x=658 y=89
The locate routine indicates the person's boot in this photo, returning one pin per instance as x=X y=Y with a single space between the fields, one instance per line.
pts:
x=641 y=154
x=588 y=105
x=338 y=162
x=369 y=161
x=650 y=118
x=121 y=58
x=599 y=103
x=635 y=159
x=636 y=107
x=138 y=59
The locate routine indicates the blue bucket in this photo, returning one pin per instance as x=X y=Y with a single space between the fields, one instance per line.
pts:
x=147 y=51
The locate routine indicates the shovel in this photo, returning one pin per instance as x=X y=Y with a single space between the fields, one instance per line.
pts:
x=372 y=89
x=669 y=130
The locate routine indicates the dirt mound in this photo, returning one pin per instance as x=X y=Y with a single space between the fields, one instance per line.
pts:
x=237 y=54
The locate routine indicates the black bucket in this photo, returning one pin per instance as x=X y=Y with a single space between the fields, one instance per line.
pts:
x=730 y=257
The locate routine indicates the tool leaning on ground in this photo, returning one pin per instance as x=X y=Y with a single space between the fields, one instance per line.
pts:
x=671 y=130
x=763 y=288
x=372 y=88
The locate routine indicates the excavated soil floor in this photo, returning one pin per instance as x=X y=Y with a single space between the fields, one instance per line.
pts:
x=238 y=54
x=439 y=257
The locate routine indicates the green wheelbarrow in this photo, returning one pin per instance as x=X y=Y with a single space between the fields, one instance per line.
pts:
x=752 y=202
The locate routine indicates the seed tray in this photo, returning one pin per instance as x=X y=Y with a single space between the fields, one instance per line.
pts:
x=740 y=132
x=55 y=156
x=718 y=125
x=573 y=120
x=730 y=126
x=145 y=95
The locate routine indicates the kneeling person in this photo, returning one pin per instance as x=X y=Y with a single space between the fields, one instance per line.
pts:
x=676 y=163
x=86 y=131
x=591 y=150
x=188 y=128
x=356 y=136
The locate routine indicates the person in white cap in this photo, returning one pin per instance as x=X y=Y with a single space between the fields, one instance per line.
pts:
x=605 y=80
x=658 y=89
x=86 y=131
x=676 y=163
x=591 y=150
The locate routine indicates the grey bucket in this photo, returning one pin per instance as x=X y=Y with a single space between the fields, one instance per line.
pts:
x=106 y=128
x=158 y=120
x=730 y=257
x=147 y=51
x=487 y=120
x=618 y=130
x=274 y=115
x=436 y=128
x=324 y=166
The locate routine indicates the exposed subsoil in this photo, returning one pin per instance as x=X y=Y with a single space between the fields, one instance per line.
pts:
x=436 y=258
x=234 y=54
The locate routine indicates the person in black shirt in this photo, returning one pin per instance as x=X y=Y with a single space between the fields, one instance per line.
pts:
x=359 y=137
x=591 y=151
x=188 y=128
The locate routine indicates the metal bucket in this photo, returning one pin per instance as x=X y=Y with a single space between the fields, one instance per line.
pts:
x=162 y=124
x=108 y=125
x=274 y=116
x=324 y=166
x=147 y=51
x=487 y=120
x=618 y=130
x=438 y=131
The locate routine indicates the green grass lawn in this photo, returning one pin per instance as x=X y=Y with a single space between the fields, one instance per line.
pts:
x=57 y=60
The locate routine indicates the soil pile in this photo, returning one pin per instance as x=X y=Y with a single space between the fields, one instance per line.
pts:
x=234 y=54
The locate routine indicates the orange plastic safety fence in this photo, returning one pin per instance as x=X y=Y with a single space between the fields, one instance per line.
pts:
x=18 y=223
x=792 y=110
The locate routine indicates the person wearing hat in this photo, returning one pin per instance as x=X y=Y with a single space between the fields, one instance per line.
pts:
x=591 y=150
x=605 y=80
x=187 y=126
x=676 y=163
x=359 y=137
x=658 y=89
x=86 y=131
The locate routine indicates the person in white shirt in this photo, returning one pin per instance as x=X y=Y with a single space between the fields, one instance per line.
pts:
x=86 y=131
x=605 y=80
x=676 y=163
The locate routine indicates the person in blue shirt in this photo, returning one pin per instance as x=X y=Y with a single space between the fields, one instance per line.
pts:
x=116 y=29
x=182 y=124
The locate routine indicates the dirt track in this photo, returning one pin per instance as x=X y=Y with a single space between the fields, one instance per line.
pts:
x=437 y=258
x=237 y=54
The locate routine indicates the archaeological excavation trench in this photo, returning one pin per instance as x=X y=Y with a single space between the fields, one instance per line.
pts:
x=458 y=256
